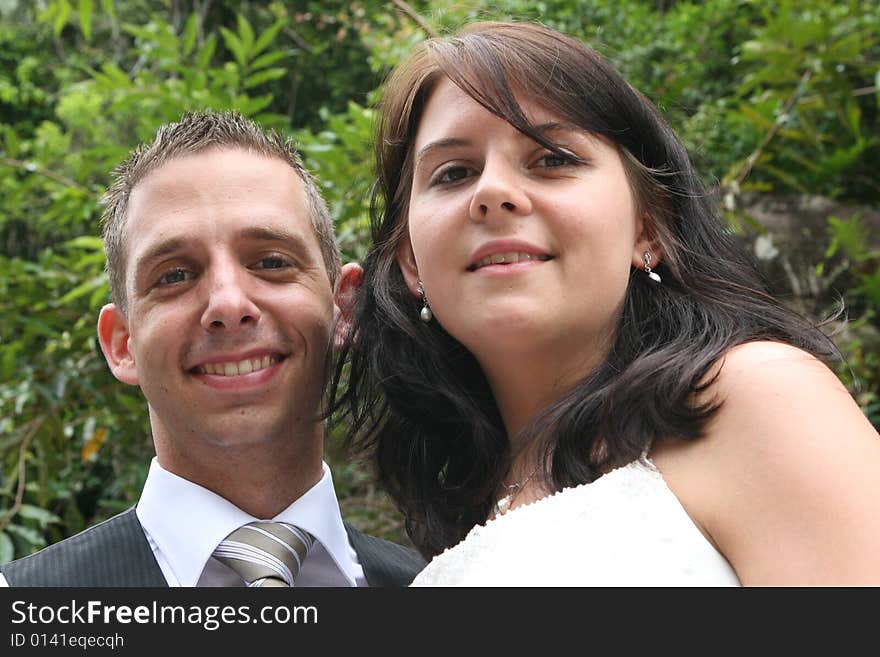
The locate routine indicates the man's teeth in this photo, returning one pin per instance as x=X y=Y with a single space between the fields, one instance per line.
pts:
x=245 y=366
x=508 y=258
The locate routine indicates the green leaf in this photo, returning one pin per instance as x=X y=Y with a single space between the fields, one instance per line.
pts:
x=116 y=76
x=40 y=515
x=250 y=106
x=854 y=119
x=85 y=18
x=86 y=242
x=61 y=16
x=268 y=59
x=82 y=289
x=755 y=117
x=234 y=45
x=109 y=7
x=7 y=549
x=264 y=76
x=870 y=287
x=190 y=32
x=267 y=37
x=32 y=536
x=99 y=296
x=245 y=34
x=207 y=51
x=850 y=234
x=805 y=162
x=788 y=178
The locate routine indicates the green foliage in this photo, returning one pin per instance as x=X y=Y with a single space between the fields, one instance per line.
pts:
x=74 y=440
x=770 y=96
x=339 y=156
x=76 y=435
x=850 y=263
x=804 y=73
x=58 y=401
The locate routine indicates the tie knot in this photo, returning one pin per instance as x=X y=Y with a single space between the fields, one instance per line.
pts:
x=265 y=553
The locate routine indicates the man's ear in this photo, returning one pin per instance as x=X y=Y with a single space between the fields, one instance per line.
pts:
x=114 y=337
x=406 y=260
x=350 y=279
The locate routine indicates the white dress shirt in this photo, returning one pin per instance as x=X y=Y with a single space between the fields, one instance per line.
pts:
x=184 y=538
x=185 y=522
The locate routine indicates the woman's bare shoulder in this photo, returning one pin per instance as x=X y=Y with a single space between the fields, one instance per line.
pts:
x=781 y=392
x=753 y=361
x=786 y=480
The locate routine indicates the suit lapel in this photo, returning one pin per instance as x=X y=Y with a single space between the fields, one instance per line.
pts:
x=384 y=563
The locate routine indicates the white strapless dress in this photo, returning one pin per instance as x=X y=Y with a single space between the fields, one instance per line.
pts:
x=627 y=528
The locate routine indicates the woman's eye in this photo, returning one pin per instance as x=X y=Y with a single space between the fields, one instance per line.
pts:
x=451 y=175
x=553 y=160
x=176 y=275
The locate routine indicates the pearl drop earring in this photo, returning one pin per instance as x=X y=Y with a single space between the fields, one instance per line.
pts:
x=654 y=276
x=426 y=315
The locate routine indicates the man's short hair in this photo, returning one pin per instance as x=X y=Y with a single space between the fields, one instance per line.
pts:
x=193 y=133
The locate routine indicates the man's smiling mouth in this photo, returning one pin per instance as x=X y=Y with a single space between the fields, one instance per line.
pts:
x=236 y=368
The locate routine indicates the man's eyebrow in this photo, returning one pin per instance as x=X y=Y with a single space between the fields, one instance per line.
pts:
x=297 y=243
x=253 y=233
x=271 y=234
x=159 y=251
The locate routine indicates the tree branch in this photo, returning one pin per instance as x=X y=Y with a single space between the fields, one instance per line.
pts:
x=774 y=129
x=32 y=167
x=409 y=11
x=36 y=423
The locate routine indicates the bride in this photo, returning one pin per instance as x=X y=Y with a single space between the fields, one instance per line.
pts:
x=566 y=371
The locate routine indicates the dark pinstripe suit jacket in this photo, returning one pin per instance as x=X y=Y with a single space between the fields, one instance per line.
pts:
x=115 y=553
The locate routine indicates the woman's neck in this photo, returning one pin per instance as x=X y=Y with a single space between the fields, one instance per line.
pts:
x=524 y=384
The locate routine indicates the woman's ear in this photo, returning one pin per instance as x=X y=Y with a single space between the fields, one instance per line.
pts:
x=646 y=242
x=115 y=343
x=350 y=279
x=406 y=260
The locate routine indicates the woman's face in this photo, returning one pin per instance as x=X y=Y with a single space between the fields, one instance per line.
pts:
x=518 y=248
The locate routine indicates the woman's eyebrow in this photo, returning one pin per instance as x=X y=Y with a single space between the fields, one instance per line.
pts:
x=551 y=127
x=548 y=127
x=439 y=144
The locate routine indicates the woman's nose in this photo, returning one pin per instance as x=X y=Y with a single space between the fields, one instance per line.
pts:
x=499 y=193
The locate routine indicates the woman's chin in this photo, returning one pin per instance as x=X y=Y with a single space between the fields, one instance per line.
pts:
x=503 y=330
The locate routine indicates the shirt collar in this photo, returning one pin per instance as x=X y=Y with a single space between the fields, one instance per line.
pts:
x=199 y=519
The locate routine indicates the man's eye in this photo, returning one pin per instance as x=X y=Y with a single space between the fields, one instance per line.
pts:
x=272 y=262
x=173 y=276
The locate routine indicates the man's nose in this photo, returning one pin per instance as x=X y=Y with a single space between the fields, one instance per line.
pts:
x=230 y=304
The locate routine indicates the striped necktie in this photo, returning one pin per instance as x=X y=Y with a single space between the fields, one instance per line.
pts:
x=265 y=553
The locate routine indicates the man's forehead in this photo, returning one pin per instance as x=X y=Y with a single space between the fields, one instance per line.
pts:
x=219 y=193
x=216 y=177
x=227 y=165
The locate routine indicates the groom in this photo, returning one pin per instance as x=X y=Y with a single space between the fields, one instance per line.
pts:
x=222 y=265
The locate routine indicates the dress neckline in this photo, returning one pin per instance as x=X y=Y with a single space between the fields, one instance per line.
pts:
x=643 y=462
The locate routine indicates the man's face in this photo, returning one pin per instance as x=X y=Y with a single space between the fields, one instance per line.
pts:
x=230 y=305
